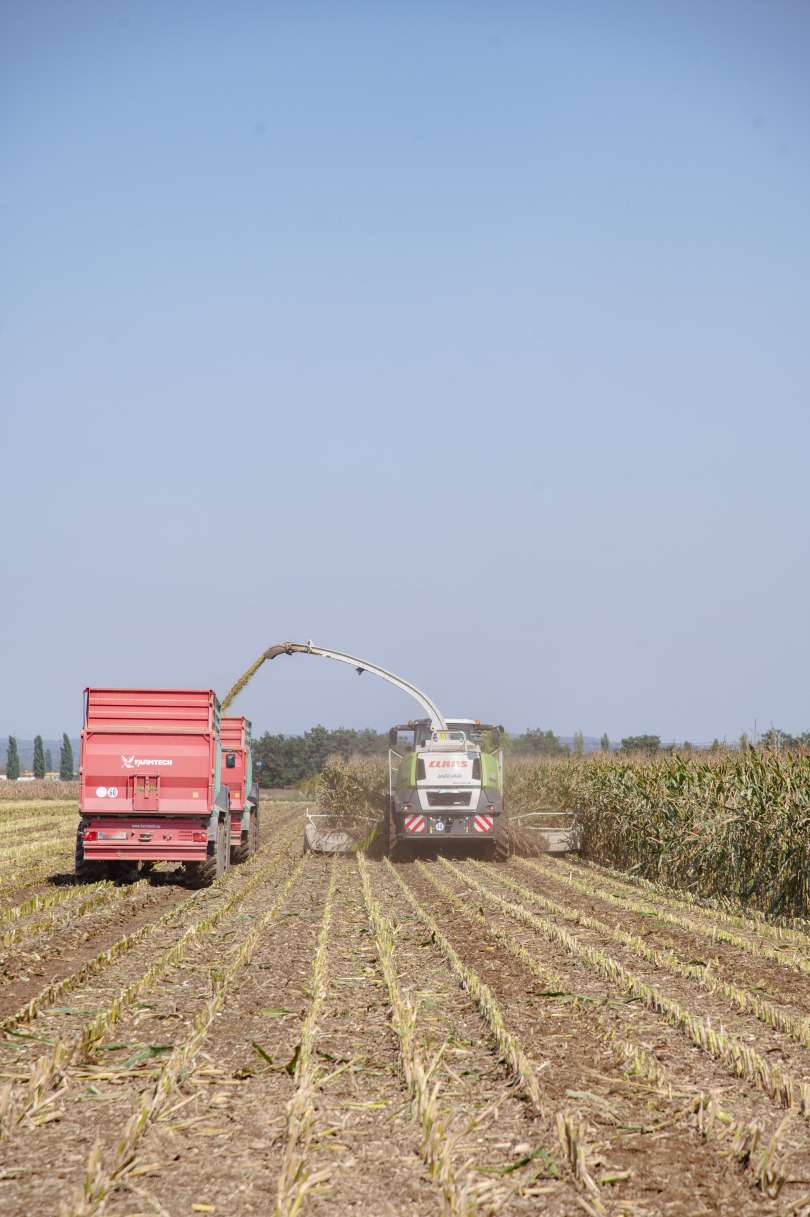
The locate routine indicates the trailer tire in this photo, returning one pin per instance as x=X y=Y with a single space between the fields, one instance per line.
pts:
x=203 y=874
x=87 y=871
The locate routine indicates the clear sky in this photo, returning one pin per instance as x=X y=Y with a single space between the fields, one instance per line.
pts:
x=473 y=338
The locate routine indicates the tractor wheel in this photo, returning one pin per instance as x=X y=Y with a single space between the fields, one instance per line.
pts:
x=388 y=821
x=203 y=874
x=86 y=871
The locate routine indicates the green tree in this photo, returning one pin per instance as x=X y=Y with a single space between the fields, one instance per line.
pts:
x=641 y=743
x=745 y=743
x=578 y=747
x=604 y=743
x=48 y=761
x=66 y=760
x=39 y=757
x=535 y=742
x=12 y=760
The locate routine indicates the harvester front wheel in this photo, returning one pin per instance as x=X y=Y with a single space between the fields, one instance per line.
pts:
x=87 y=871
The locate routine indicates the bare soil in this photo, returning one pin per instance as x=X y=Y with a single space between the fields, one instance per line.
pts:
x=218 y=1143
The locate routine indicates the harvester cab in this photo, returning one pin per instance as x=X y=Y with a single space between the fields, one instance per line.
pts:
x=447 y=785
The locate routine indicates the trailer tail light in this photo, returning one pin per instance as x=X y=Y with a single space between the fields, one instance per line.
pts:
x=91 y=835
x=199 y=836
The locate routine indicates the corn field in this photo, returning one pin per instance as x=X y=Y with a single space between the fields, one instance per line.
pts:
x=734 y=826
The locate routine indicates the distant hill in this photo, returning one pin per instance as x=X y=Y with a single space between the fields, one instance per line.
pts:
x=25 y=747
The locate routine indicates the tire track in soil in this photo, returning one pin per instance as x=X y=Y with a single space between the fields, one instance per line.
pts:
x=776 y=981
x=674 y=1171
x=100 y=1098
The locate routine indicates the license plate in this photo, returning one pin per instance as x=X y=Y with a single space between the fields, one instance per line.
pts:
x=112 y=836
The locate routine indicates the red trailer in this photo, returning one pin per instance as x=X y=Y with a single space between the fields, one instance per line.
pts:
x=237 y=775
x=151 y=789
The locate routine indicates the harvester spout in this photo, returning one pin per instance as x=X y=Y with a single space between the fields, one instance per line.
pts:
x=360 y=666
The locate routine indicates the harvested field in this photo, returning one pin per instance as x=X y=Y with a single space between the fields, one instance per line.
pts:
x=317 y=1035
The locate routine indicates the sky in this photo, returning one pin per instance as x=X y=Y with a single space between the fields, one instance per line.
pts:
x=468 y=338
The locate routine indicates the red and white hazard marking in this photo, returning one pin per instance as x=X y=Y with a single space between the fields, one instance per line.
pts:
x=483 y=823
x=415 y=823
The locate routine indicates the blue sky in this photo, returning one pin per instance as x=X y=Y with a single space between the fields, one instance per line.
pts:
x=470 y=338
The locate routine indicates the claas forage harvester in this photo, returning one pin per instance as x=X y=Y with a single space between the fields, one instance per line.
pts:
x=152 y=787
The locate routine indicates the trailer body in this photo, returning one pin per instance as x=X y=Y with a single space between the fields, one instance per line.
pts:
x=150 y=782
x=237 y=776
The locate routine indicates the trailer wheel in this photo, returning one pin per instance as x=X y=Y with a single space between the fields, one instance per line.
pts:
x=87 y=871
x=203 y=874
x=240 y=852
x=254 y=830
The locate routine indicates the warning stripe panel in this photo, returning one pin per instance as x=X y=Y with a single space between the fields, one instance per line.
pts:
x=483 y=823
x=415 y=823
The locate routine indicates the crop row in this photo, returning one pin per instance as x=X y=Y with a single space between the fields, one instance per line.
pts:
x=102 y=1172
x=459 y=1190
x=570 y=1129
x=295 y=1180
x=692 y=923
x=92 y=967
x=712 y=1120
x=101 y=896
x=723 y=911
x=744 y=1000
x=738 y=1058
x=47 y=1071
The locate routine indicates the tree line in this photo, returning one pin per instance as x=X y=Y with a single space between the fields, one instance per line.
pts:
x=286 y=760
x=43 y=760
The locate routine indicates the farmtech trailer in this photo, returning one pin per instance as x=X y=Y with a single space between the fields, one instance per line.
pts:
x=151 y=788
x=237 y=775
